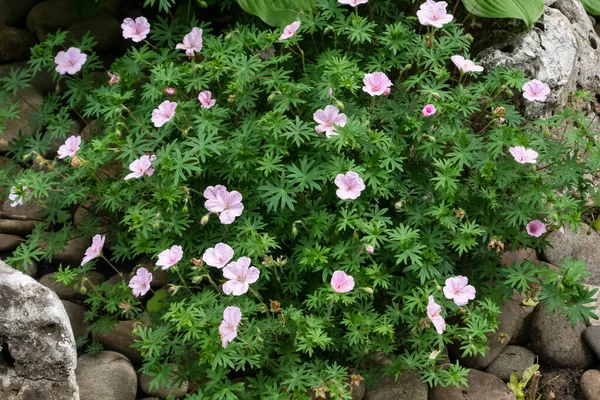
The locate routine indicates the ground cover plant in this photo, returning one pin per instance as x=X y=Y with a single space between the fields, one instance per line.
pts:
x=317 y=193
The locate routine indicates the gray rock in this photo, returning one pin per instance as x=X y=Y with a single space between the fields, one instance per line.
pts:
x=174 y=389
x=12 y=12
x=17 y=227
x=595 y=322
x=31 y=269
x=76 y=319
x=29 y=100
x=561 y=50
x=523 y=318
x=30 y=210
x=50 y=15
x=591 y=335
x=590 y=384
x=103 y=27
x=556 y=343
x=62 y=291
x=108 y=375
x=41 y=81
x=35 y=328
x=408 y=386
x=15 y=44
x=93 y=128
x=583 y=245
x=10 y=242
x=120 y=339
x=508 y=323
x=73 y=253
x=480 y=386
x=512 y=359
x=508 y=258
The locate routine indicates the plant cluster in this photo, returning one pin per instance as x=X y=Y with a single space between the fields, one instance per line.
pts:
x=317 y=194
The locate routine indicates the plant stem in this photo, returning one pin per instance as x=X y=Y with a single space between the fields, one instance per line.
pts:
x=112 y=266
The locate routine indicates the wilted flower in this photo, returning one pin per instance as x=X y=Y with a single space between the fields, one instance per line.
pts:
x=140 y=283
x=227 y=204
x=135 y=30
x=192 y=42
x=114 y=78
x=170 y=257
x=205 y=98
x=353 y=3
x=536 y=90
x=341 y=282
x=429 y=110
x=459 y=290
x=465 y=65
x=289 y=30
x=377 y=84
x=275 y=306
x=70 y=148
x=536 y=228
x=523 y=155
x=327 y=119
x=218 y=256
x=94 y=250
x=141 y=167
x=228 y=328
x=70 y=61
x=495 y=242
x=433 y=312
x=16 y=197
x=350 y=185
x=164 y=113
x=240 y=275
x=434 y=14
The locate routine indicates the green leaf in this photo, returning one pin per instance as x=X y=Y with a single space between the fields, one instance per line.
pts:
x=277 y=12
x=591 y=6
x=156 y=302
x=527 y=10
x=515 y=387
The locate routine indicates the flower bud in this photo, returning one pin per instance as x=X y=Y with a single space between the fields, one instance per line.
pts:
x=399 y=204
x=368 y=290
x=370 y=249
x=204 y=219
x=294 y=231
x=339 y=104
x=170 y=91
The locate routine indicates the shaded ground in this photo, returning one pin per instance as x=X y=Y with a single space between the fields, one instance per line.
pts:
x=565 y=385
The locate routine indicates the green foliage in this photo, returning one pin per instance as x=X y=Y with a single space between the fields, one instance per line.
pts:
x=277 y=12
x=526 y=10
x=518 y=386
x=591 y=6
x=442 y=193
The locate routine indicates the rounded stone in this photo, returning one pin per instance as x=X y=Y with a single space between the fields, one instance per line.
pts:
x=12 y=12
x=408 y=386
x=512 y=359
x=10 y=242
x=50 y=15
x=16 y=226
x=63 y=291
x=105 y=29
x=120 y=338
x=480 y=386
x=107 y=375
x=29 y=101
x=173 y=390
x=76 y=318
x=15 y=44
x=590 y=384
x=556 y=343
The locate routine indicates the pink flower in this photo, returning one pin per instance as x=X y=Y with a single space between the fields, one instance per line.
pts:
x=327 y=118
x=523 y=155
x=140 y=283
x=562 y=230
x=218 y=256
x=164 y=113
x=341 y=282
x=240 y=275
x=434 y=14
x=114 y=78
x=135 y=30
x=206 y=99
x=70 y=148
x=377 y=84
x=536 y=228
x=465 y=65
x=94 y=250
x=349 y=185
x=210 y=193
x=330 y=92
x=429 y=110
x=70 y=62
x=353 y=3
x=227 y=204
x=141 y=167
x=192 y=42
x=536 y=90
x=289 y=30
x=228 y=328
x=170 y=257
x=370 y=249
x=459 y=290
x=170 y=91
x=433 y=312
x=18 y=196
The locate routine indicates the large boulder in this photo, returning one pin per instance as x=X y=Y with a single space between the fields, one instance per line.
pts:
x=556 y=343
x=35 y=332
x=480 y=386
x=107 y=375
x=561 y=49
x=583 y=245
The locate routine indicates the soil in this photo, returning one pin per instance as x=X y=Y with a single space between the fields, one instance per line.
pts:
x=565 y=386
